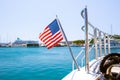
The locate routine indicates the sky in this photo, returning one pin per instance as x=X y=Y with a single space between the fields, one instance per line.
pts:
x=25 y=19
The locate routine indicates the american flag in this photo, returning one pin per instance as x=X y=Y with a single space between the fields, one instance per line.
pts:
x=51 y=35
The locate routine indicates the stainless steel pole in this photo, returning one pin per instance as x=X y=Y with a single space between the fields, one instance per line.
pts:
x=105 y=44
x=108 y=44
x=95 y=43
x=100 y=43
x=86 y=42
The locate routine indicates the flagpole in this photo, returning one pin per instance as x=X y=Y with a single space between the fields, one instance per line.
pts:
x=67 y=43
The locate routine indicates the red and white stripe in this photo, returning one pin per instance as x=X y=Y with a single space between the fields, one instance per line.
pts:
x=49 y=39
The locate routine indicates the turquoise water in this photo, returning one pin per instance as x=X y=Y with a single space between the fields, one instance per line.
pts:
x=36 y=63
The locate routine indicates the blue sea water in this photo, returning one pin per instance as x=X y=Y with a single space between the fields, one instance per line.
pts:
x=36 y=63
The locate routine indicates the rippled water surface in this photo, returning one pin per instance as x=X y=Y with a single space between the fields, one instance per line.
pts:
x=36 y=63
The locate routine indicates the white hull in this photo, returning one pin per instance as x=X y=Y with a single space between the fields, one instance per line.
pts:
x=83 y=75
x=80 y=75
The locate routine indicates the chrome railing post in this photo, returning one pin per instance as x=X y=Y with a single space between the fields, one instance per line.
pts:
x=104 y=44
x=95 y=42
x=108 y=44
x=100 y=44
x=86 y=42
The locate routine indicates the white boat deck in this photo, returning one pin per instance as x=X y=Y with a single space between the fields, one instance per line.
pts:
x=77 y=75
x=83 y=75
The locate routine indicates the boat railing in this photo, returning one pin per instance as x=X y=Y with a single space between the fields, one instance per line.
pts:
x=101 y=40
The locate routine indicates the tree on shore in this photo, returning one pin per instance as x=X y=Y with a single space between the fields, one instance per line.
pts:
x=116 y=36
x=82 y=42
x=79 y=42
